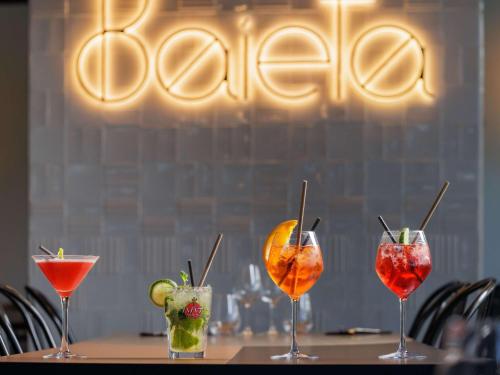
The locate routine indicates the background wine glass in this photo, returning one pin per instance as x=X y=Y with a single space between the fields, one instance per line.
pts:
x=272 y=295
x=226 y=319
x=304 y=316
x=402 y=268
x=248 y=292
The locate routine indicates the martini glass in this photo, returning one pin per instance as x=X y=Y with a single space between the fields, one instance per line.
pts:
x=65 y=275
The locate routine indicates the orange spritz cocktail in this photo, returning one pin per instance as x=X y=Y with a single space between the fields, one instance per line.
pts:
x=294 y=265
x=295 y=269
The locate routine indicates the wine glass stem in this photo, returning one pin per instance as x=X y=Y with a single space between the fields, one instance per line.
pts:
x=64 y=337
x=271 y=316
x=402 y=317
x=294 y=349
x=248 y=326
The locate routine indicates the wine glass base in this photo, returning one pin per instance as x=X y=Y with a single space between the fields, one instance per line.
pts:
x=291 y=356
x=64 y=355
x=396 y=356
x=272 y=331
x=247 y=332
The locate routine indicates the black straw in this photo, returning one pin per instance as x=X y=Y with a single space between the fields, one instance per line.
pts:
x=313 y=227
x=435 y=204
x=191 y=277
x=386 y=227
x=47 y=251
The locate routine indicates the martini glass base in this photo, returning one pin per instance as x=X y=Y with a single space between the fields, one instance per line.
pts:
x=291 y=356
x=64 y=355
x=396 y=356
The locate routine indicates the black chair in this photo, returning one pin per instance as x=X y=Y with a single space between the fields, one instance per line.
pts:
x=49 y=309
x=458 y=305
x=10 y=337
x=28 y=313
x=432 y=305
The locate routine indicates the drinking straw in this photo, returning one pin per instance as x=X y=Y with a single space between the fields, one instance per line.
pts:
x=191 y=277
x=290 y=264
x=301 y=213
x=434 y=205
x=313 y=227
x=210 y=259
x=386 y=227
x=47 y=251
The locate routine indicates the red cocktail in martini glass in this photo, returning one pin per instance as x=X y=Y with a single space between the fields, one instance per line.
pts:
x=65 y=275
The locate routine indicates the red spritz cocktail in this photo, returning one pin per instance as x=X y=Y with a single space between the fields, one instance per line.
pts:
x=402 y=268
x=403 y=263
x=65 y=275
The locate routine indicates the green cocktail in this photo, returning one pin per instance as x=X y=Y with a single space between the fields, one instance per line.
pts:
x=187 y=310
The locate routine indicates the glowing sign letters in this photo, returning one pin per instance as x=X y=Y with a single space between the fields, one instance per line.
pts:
x=385 y=62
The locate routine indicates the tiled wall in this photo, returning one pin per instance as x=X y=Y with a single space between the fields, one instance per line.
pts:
x=148 y=186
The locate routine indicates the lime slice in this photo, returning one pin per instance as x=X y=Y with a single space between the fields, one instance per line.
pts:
x=404 y=237
x=60 y=253
x=160 y=290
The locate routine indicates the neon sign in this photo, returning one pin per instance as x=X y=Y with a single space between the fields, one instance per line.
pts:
x=384 y=62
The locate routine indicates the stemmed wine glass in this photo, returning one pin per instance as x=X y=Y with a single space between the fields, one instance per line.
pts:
x=272 y=296
x=403 y=267
x=295 y=267
x=249 y=292
x=226 y=319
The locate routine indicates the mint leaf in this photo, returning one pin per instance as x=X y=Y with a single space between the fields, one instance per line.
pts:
x=191 y=325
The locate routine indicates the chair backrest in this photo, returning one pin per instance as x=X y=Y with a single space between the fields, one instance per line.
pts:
x=479 y=305
x=495 y=304
x=3 y=346
x=432 y=305
x=49 y=309
x=10 y=337
x=28 y=313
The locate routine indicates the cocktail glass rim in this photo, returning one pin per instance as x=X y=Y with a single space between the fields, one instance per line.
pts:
x=39 y=257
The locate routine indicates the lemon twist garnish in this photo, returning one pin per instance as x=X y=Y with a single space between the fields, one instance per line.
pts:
x=60 y=253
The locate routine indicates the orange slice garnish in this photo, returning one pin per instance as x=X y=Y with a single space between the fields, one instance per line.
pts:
x=278 y=237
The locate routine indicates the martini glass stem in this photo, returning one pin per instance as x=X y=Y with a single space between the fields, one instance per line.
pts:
x=294 y=349
x=402 y=337
x=64 y=337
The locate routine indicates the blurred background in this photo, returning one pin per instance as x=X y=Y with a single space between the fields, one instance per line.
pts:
x=104 y=153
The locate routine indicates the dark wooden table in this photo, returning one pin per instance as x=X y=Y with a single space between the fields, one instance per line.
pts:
x=133 y=354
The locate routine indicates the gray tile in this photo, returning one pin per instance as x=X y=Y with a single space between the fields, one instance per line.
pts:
x=121 y=146
x=195 y=143
x=345 y=141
